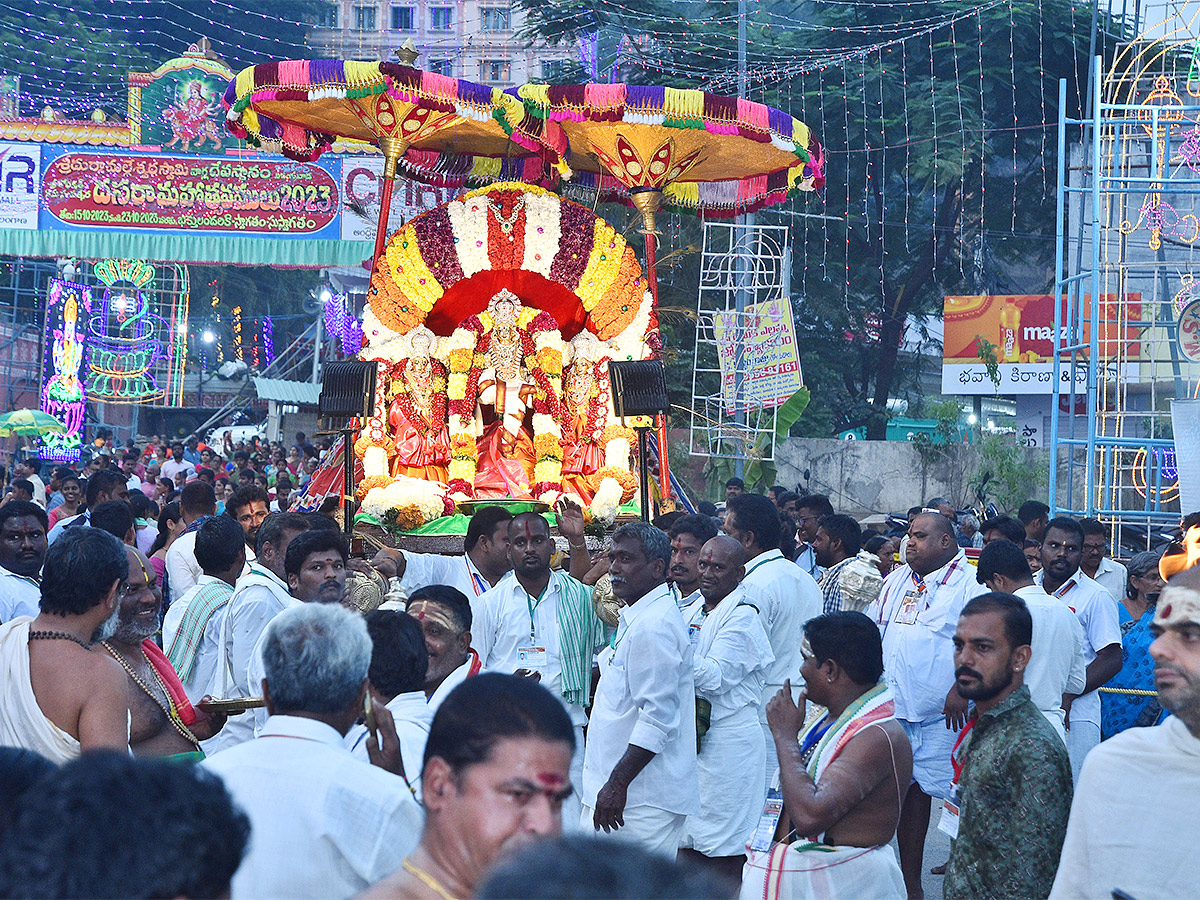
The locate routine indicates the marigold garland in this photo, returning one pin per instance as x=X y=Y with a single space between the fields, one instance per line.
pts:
x=369 y=483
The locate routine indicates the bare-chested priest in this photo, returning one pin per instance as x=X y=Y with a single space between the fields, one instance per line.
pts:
x=59 y=694
x=840 y=781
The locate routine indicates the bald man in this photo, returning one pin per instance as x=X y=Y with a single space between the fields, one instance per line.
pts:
x=731 y=656
x=917 y=612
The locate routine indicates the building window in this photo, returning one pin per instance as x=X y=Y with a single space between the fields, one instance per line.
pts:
x=495 y=18
x=495 y=70
x=402 y=18
x=364 y=18
x=323 y=16
x=441 y=66
x=441 y=18
x=553 y=69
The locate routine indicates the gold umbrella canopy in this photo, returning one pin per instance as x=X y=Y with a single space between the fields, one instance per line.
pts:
x=300 y=107
x=647 y=146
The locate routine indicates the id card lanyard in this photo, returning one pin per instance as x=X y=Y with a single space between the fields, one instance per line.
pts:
x=952 y=805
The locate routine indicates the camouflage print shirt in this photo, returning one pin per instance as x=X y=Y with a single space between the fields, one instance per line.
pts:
x=1016 y=790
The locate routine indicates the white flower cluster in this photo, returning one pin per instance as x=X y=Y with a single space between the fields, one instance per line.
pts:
x=607 y=501
x=405 y=491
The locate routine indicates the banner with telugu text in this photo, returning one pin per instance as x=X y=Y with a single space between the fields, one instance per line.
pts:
x=256 y=197
x=765 y=340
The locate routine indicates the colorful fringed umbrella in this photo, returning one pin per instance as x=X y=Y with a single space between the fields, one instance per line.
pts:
x=301 y=107
x=645 y=145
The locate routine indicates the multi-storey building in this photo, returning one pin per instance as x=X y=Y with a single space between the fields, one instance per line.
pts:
x=478 y=40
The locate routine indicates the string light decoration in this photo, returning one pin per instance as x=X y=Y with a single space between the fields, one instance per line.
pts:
x=237 y=334
x=268 y=336
x=341 y=323
x=64 y=364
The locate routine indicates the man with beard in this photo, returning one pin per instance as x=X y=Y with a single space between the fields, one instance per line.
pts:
x=162 y=721
x=497 y=770
x=445 y=616
x=836 y=544
x=1011 y=793
x=1061 y=577
x=248 y=506
x=688 y=534
x=58 y=695
x=23 y=527
x=1133 y=823
x=542 y=624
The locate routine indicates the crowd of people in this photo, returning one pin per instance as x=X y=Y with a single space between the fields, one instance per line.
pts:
x=196 y=699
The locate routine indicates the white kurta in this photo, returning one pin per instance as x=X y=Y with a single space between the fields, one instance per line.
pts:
x=413 y=717
x=182 y=569
x=322 y=824
x=449 y=683
x=1056 y=662
x=22 y=722
x=731 y=657
x=19 y=596
x=646 y=697
x=1133 y=821
x=258 y=598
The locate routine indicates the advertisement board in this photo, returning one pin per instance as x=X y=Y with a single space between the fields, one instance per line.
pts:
x=362 y=180
x=273 y=197
x=766 y=340
x=20 y=177
x=1019 y=330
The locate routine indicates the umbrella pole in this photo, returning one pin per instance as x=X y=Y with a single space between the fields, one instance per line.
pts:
x=393 y=149
x=648 y=203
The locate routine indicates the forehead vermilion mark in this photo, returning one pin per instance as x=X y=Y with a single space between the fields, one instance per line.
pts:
x=527 y=526
x=550 y=779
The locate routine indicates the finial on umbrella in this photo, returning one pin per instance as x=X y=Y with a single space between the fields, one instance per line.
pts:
x=647 y=201
x=407 y=54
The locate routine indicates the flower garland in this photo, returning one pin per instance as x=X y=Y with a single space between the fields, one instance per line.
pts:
x=623 y=477
x=439 y=400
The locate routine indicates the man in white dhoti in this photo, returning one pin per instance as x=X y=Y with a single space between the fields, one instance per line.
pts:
x=825 y=830
x=1132 y=825
x=731 y=655
x=59 y=697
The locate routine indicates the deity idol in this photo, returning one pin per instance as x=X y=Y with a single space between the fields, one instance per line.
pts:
x=586 y=413
x=505 y=444
x=417 y=412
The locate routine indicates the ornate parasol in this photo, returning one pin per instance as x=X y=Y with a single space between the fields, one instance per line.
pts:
x=644 y=146
x=300 y=107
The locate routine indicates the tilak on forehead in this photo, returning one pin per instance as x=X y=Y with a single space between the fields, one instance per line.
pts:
x=424 y=611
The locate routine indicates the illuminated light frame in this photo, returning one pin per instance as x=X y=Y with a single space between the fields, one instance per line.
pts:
x=71 y=410
x=341 y=323
x=268 y=334
x=1141 y=475
x=119 y=368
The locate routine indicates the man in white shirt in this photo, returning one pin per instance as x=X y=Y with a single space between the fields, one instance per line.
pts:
x=322 y=824
x=483 y=563
x=1062 y=549
x=445 y=617
x=786 y=596
x=129 y=469
x=1133 y=820
x=177 y=464
x=248 y=506
x=260 y=595
x=495 y=779
x=28 y=469
x=639 y=770
x=810 y=511
x=917 y=613
x=397 y=678
x=191 y=629
x=197 y=501
x=688 y=535
x=1096 y=563
x=102 y=487
x=731 y=655
x=22 y=552
x=1056 y=660
x=542 y=624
